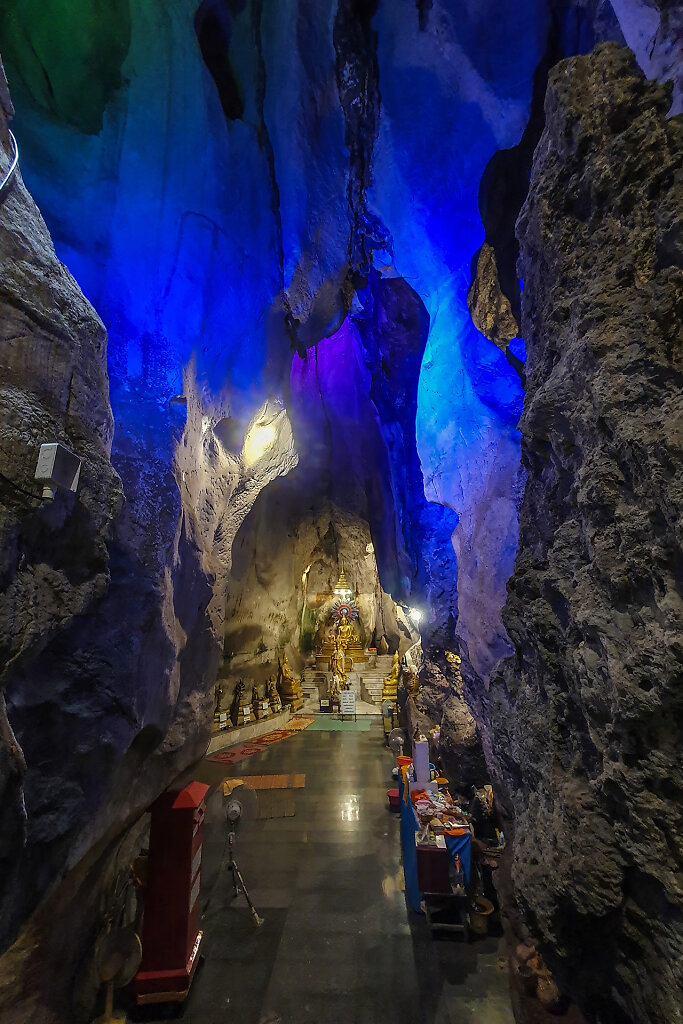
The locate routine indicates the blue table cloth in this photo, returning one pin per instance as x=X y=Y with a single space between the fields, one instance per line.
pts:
x=409 y=826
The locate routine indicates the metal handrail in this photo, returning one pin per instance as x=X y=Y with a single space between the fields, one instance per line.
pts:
x=13 y=166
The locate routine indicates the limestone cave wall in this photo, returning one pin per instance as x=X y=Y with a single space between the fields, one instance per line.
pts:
x=584 y=721
x=112 y=601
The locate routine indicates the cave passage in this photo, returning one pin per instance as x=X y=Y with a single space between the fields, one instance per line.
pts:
x=340 y=502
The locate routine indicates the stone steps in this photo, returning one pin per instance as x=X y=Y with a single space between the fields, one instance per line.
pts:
x=367 y=680
x=312 y=681
x=372 y=684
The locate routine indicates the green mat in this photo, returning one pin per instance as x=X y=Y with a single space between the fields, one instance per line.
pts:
x=325 y=723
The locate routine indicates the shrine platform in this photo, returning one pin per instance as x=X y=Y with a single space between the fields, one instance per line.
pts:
x=243 y=733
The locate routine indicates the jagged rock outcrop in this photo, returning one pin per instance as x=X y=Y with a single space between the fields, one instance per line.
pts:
x=586 y=718
x=654 y=31
x=489 y=307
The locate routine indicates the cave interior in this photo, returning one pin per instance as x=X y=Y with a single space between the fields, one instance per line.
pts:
x=387 y=289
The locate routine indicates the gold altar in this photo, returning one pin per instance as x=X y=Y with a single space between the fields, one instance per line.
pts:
x=342 y=632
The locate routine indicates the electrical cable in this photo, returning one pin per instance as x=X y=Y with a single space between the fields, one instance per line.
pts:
x=13 y=165
x=18 y=487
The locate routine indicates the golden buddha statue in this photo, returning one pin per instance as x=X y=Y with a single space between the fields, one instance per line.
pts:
x=411 y=682
x=454 y=661
x=390 y=688
x=338 y=662
x=289 y=687
x=345 y=632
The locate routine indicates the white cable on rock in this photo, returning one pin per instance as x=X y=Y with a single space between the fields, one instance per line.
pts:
x=13 y=166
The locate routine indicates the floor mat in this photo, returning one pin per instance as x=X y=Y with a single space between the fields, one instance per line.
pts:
x=298 y=724
x=274 y=781
x=327 y=724
x=275 y=803
x=274 y=737
x=236 y=753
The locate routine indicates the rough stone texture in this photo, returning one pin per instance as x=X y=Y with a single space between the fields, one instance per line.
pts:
x=585 y=720
x=304 y=180
x=489 y=308
x=654 y=31
x=112 y=612
x=443 y=699
x=54 y=556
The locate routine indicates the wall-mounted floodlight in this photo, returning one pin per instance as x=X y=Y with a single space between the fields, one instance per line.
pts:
x=57 y=467
x=416 y=615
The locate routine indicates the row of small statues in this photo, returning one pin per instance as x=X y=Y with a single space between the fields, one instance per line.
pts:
x=245 y=706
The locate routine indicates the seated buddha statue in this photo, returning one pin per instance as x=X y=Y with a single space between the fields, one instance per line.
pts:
x=289 y=687
x=390 y=688
x=345 y=632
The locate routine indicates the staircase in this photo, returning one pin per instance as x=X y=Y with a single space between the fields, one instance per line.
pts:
x=372 y=678
x=313 y=683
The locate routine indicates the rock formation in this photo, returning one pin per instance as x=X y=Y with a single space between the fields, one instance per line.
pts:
x=586 y=718
x=489 y=307
x=111 y=610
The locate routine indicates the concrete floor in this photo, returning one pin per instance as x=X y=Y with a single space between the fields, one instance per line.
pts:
x=338 y=943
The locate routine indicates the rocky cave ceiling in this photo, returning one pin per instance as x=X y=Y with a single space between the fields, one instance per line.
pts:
x=297 y=217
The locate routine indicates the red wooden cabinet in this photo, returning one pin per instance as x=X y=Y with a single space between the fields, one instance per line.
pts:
x=432 y=869
x=170 y=935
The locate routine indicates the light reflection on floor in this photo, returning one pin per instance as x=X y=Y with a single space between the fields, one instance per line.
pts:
x=350 y=807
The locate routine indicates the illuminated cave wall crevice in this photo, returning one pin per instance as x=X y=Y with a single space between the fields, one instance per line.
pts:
x=352 y=400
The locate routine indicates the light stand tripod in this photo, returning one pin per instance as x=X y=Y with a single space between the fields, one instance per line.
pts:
x=234 y=814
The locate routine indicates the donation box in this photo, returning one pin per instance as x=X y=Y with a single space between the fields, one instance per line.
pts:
x=170 y=934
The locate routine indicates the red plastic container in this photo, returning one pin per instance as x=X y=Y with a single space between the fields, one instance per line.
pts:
x=394 y=802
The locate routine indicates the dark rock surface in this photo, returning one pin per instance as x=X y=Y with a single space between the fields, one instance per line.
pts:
x=111 y=612
x=586 y=718
x=54 y=556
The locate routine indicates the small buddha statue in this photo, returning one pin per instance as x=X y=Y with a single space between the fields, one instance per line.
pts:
x=412 y=682
x=255 y=710
x=390 y=688
x=290 y=688
x=240 y=710
x=273 y=697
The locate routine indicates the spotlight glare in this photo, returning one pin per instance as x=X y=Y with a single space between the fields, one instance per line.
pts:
x=257 y=442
